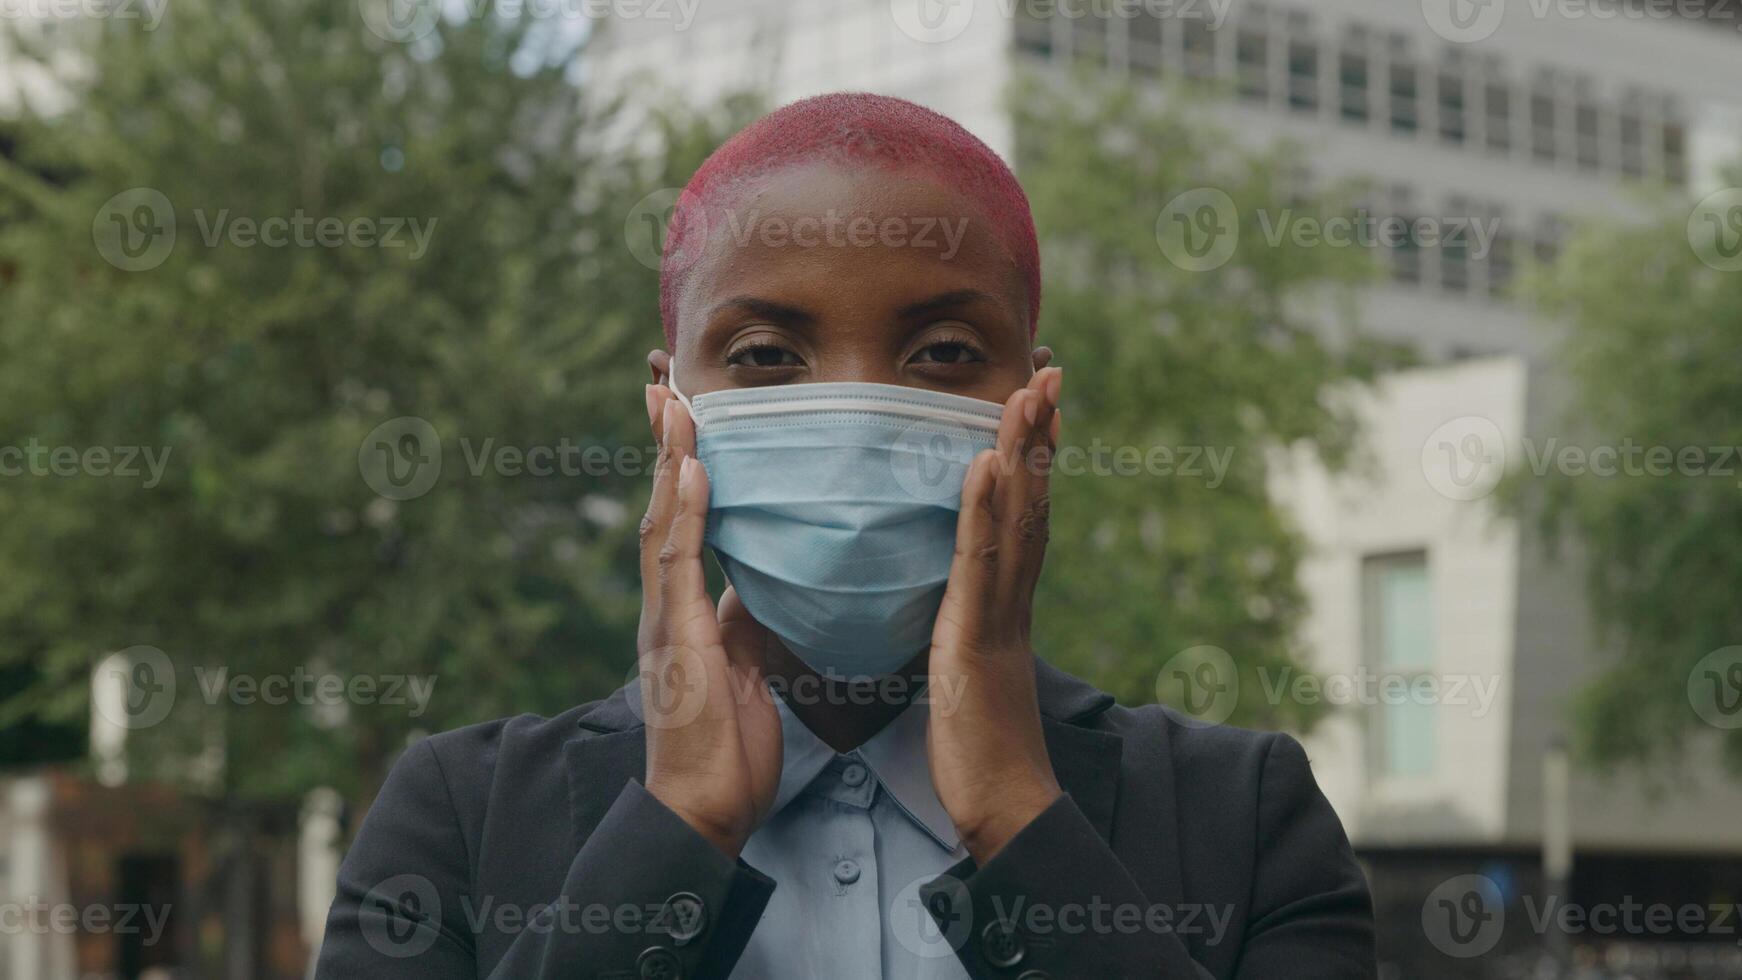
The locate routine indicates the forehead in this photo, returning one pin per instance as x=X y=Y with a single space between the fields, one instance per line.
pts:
x=843 y=240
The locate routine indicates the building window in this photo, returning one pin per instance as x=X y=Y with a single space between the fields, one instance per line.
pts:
x=1501 y=265
x=1303 y=73
x=1143 y=43
x=1252 y=58
x=1632 y=127
x=1404 y=112
x=1588 y=126
x=1199 y=41
x=1675 y=153
x=1089 y=40
x=1352 y=78
x=1033 y=31
x=1397 y=622
x=1406 y=253
x=1544 y=140
x=1451 y=104
x=1457 y=230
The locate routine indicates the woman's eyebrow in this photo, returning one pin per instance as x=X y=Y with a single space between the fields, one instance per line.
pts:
x=779 y=313
x=944 y=301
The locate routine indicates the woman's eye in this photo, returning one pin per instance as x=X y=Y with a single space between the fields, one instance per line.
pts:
x=948 y=352
x=764 y=356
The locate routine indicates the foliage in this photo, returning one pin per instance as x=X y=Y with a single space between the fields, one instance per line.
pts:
x=263 y=550
x=1229 y=362
x=1652 y=348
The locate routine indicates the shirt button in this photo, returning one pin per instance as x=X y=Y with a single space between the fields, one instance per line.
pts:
x=846 y=871
x=853 y=775
x=1002 y=944
x=658 y=963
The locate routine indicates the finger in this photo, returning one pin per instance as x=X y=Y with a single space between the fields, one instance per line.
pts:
x=656 y=396
x=661 y=504
x=1013 y=425
x=1024 y=498
x=975 y=561
x=683 y=588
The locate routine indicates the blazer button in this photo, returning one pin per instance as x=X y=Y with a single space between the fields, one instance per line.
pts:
x=1002 y=945
x=658 y=963
x=684 y=916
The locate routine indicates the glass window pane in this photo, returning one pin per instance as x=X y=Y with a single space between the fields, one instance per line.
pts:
x=1403 y=107
x=1252 y=54
x=1303 y=75
x=1398 y=614
x=1352 y=76
x=1451 y=91
x=1499 y=99
x=1199 y=41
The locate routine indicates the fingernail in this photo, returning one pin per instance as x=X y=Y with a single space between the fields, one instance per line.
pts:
x=1030 y=408
x=686 y=472
x=670 y=423
x=647 y=394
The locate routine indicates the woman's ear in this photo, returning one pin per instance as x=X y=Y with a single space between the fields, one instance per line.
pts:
x=1042 y=357
x=659 y=362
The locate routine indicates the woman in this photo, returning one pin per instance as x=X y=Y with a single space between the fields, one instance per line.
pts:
x=853 y=765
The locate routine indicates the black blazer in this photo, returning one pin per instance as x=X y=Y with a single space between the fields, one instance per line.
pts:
x=527 y=848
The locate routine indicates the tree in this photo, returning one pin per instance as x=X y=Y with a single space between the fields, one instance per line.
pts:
x=1652 y=350
x=250 y=241
x=1199 y=355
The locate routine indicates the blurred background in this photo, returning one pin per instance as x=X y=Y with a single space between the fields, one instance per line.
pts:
x=1408 y=346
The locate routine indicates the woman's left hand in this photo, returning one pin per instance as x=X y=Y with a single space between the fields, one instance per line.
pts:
x=988 y=756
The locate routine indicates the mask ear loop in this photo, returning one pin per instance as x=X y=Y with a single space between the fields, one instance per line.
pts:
x=671 y=382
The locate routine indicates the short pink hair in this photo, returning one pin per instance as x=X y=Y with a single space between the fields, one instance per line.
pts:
x=852 y=127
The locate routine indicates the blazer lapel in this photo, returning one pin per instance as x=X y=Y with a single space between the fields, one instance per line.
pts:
x=1089 y=758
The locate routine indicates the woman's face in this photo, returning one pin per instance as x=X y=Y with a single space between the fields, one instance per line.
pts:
x=835 y=274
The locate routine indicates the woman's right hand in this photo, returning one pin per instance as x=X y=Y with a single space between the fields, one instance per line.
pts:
x=713 y=734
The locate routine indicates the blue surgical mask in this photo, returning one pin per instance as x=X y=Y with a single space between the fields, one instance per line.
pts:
x=832 y=510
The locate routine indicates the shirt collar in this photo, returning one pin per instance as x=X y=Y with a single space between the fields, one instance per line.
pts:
x=896 y=755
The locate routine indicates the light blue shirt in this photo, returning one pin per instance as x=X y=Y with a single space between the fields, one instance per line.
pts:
x=849 y=842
